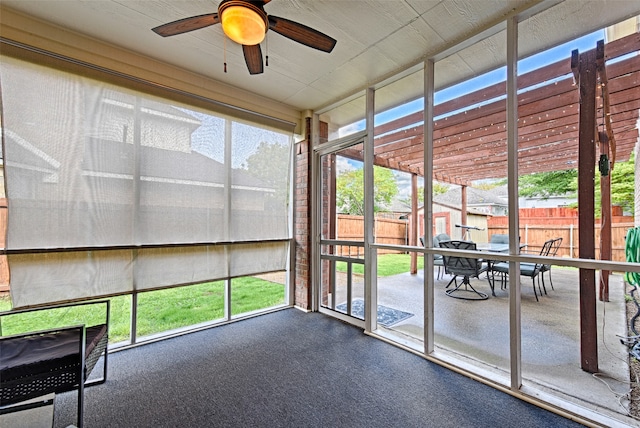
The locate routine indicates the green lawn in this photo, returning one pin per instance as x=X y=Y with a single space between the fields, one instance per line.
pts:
x=158 y=311
x=388 y=264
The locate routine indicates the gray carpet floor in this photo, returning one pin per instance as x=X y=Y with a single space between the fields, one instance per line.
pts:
x=290 y=369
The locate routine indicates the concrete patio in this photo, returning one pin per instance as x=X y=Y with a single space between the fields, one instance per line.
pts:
x=477 y=333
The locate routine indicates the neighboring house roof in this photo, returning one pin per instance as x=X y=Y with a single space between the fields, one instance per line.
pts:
x=22 y=149
x=398 y=206
x=470 y=210
x=162 y=164
x=158 y=163
x=162 y=110
x=501 y=192
x=474 y=197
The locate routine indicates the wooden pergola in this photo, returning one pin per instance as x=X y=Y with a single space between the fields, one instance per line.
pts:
x=470 y=141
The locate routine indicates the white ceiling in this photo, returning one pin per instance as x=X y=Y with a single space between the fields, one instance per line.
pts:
x=376 y=38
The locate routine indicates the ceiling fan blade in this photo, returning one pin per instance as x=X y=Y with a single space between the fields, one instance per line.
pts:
x=186 y=24
x=253 y=58
x=301 y=33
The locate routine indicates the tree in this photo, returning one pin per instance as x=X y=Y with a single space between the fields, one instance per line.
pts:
x=546 y=184
x=350 y=190
x=622 y=185
x=489 y=185
x=270 y=164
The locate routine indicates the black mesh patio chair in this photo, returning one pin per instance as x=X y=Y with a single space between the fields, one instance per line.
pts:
x=531 y=270
x=465 y=267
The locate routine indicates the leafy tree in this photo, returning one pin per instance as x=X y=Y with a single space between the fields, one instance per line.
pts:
x=439 y=188
x=622 y=185
x=270 y=163
x=489 y=185
x=546 y=184
x=350 y=190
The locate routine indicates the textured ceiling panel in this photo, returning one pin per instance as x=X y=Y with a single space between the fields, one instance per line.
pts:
x=571 y=19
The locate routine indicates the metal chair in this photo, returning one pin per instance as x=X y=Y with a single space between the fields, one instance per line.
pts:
x=532 y=270
x=498 y=238
x=465 y=267
x=555 y=246
x=437 y=258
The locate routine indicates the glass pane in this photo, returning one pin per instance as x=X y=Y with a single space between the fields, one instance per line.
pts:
x=575 y=315
x=259 y=183
x=470 y=170
x=253 y=293
x=161 y=311
x=398 y=193
x=119 y=318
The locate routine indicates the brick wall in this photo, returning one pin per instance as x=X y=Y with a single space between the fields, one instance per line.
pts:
x=302 y=215
x=302 y=220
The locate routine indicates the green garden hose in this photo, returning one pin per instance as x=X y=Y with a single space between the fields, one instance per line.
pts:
x=632 y=251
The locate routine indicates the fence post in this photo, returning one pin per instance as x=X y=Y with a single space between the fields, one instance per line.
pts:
x=571 y=240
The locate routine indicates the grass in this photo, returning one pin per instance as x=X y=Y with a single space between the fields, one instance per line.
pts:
x=158 y=311
x=388 y=264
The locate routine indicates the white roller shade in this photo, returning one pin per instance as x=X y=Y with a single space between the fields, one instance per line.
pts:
x=91 y=166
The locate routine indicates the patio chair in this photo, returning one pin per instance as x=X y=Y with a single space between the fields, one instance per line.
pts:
x=467 y=268
x=555 y=246
x=499 y=238
x=437 y=258
x=532 y=270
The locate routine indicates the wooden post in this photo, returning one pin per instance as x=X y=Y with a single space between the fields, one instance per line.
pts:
x=586 y=72
x=414 y=222
x=607 y=160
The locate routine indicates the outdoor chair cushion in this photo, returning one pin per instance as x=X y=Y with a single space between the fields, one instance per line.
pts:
x=34 y=365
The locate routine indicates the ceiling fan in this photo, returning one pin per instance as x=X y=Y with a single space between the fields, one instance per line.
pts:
x=246 y=23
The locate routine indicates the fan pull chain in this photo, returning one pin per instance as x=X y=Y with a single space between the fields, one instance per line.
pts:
x=224 y=49
x=267 y=46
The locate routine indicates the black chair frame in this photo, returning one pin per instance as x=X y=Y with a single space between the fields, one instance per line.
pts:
x=467 y=268
x=531 y=270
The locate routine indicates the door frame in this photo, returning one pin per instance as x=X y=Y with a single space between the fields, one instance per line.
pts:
x=331 y=147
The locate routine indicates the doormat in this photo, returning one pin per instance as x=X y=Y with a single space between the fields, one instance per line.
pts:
x=386 y=316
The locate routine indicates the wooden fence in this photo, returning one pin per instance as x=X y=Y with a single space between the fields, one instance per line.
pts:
x=386 y=231
x=535 y=235
x=540 y=224
x=537 y=225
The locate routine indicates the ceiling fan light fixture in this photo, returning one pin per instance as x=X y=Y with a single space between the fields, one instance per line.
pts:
x=243 y=22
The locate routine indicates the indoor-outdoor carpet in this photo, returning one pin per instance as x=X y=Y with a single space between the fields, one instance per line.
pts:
x=290 y=369
x=386 y=316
